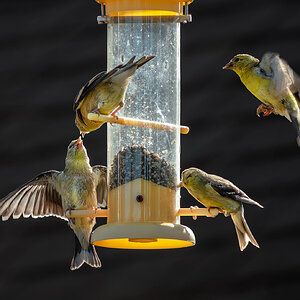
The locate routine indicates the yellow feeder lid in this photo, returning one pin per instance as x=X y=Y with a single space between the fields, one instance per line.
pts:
x=144 y=7
x=143 y=236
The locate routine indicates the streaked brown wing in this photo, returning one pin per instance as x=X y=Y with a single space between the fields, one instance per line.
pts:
x=89 y=86
x=227 y=189
x=101 y=185
x=92 y=83
x=37 y=198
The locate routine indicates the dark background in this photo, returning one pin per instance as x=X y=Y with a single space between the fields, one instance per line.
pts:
x=48 y=50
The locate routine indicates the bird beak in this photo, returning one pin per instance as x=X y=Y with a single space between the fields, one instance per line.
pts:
x=228 y=66
x=78 y=144
x=180 y=184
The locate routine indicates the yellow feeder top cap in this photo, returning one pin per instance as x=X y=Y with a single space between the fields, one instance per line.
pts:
x=143 y=236
x=144 y=7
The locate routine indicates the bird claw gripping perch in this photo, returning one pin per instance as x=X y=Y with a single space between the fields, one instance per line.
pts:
x=191 y=208
x=266 y=110
x=214 y=211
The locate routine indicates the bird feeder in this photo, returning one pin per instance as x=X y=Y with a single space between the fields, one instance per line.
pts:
x=143 y=148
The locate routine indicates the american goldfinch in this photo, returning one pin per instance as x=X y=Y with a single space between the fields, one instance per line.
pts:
x=52 y=193
x=273 y=82
x=104 y=94
x=216 y=192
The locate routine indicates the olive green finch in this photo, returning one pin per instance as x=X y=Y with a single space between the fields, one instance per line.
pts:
x=104 y=94
x=273 y=82
x=216 y=192
x=52 y=193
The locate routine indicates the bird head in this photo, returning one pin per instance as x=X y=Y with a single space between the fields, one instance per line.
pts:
x=192 y=177
x=241 y=62
x=76 y=154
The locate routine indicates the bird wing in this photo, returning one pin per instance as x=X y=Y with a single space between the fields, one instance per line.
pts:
x=89 y=86
x=37 y=198
x=295 y=81
x=265 y=64
x=227 y=189
x=92 y=83
x=101 y=185
x=283 y=76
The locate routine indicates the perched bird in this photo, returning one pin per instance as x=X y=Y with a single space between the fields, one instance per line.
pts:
x=273 y=82
x=52 y=193
x=216 y=192
x=104 y=94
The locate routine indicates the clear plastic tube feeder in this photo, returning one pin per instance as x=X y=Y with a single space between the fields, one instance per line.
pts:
x=144 y=161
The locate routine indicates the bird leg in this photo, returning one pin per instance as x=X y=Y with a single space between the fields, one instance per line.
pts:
x=266 y=110
x=113 y=114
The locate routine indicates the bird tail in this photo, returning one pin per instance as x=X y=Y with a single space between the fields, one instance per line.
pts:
x=242 y=229
x=135 y=65
x=293 y=115
x=125 y=72
x=81 y=255
x=295 y=118
x=143 y=60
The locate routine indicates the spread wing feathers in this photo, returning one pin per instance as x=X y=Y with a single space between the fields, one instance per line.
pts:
x=282 y=74
x=227 y=189
x=101 y=185
x=37 y=198
x=92 y=83
x=295 y=81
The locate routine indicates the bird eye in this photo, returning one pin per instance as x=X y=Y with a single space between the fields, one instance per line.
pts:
x=237 y=59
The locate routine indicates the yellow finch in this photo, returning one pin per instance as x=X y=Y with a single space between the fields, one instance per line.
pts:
x=273 y=82
x=104 y=94
x=52 y=193
x=216 y=192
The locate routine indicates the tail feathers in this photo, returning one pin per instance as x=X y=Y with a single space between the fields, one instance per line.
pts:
x=143 y=60
x=125 y=72
x=294 y=117
x=81 y=255
x=296 y=122
x=242 y=229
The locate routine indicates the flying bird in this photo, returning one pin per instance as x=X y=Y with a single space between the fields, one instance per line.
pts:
x=104 y=94
x=216 y=192
x=52 y=193
x=273 y=82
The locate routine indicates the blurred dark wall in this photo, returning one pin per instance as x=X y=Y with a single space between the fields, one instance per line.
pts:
x=48 y=50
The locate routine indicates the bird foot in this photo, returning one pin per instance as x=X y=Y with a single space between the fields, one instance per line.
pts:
x=68 y=210
x=191 y=208
x=266 y=110
x=95 y=111
x=214 y=211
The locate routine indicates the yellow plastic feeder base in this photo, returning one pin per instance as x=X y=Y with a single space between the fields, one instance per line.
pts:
x=143 y=236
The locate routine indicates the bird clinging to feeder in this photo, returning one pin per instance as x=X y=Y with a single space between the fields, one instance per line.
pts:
x=104 y=94
x=216 y=192
x=52 y=193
